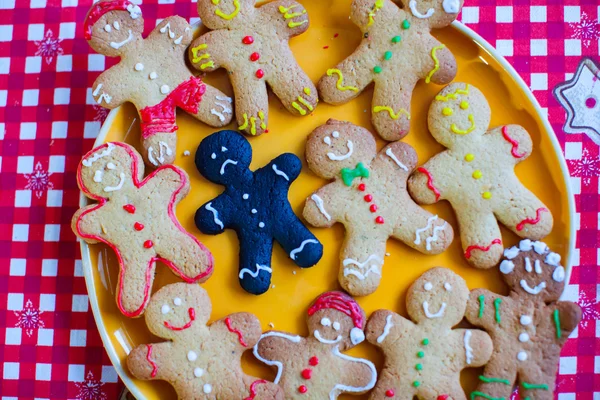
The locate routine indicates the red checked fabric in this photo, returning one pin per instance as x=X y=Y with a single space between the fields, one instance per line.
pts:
x=49 y=344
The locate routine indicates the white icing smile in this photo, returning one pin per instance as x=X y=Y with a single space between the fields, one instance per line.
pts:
x=228 y=161
x=334 y=157
x=438 y=314
x=326 y=341
x=416 y=13
x=118 y=45
x=535 y=290
x=118 y=187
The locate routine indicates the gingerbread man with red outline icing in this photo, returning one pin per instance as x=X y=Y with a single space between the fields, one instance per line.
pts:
x=476 y=175
x=151 y=74
x=200 y=361
x=135 y=217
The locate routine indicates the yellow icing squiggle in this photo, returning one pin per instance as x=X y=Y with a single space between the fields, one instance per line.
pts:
x=390 y=111
x=305 y=103
x=376 y=7
x=454 y=95
x=292 y=24
x=288 y=15
x=301 y=110
x=436 y=61
x=195 y=51
x=252 y=125
x=458 y=131
x=340 y=80
x=261 y=115
x=207 y=65
x=245 y=124
x=236 y=4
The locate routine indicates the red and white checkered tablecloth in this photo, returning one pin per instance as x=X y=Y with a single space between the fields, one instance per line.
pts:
x=49 y=344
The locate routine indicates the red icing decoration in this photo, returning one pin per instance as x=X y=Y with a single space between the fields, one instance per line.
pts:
x=253 y=388
x=192 y=314
x=532 y=221
x=260 y=73
x=236 y=331
x=379 y=220
x=302 y=389
x=248 y=40
x=148 y=244
x=590 y=102
x=515 y=144
x=170 y=210
x=373 y=207
x=341 y=302
x=389 y=393
x=254 y=56
x=130 y=208
x=307 y=373
x=368 y=198
x=325 y=47
x=477 y=247
x=430 y=182
x=151 y=361
x=161 y=117
x=443 y=397
x=138 y=227
x=361 y=187
x=98 y=10
x=314 y=361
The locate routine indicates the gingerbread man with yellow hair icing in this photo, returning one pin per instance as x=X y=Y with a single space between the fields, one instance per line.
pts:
x=252 y=45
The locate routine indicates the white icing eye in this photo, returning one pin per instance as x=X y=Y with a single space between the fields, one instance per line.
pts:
x=506 y=267
x=116 y=25
x=165 y=309
x=213 y=156
x=192 y=356
x=448 y=287
x=428 y=286
x=336 y=326
x=325 y=321
x=111 y=166
x=223 y=148
x=177 y=301
x=559 y=274
x=335 y=134
x=327 y=140
x=527 y=264
x=107 y=28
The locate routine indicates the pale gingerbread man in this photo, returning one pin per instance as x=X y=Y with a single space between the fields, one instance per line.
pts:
x=476 y=175
x=201 y=362
x=252 y=45
x=528 y=327
x=368 y=196
x=396 y=52
x=315 y=367
x=135 y=217
x=424 y=358
x=151 y=74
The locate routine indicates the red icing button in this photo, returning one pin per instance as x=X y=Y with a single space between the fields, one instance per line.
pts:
x=260 y=73
x=130 y=208
x=148 y=244
x=389 y=393
x=254 y=56
x=138 y=227
x=361 y=187
x=307 y=373
x=368 y=198
x=373 y=207
x=248 y=40
x=302 y=389
x=314 y=361
x=379 y=220
x=443 y=397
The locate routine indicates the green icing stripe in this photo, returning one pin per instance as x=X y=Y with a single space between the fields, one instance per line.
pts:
x=481 y=305
x=493 y=380
x=474 y=395
x=557 y=323
x=497 y=307
x=529 y=386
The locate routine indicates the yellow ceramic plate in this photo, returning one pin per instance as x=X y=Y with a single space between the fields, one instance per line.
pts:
x=285 y=304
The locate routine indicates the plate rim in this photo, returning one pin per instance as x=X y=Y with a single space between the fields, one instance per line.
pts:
x=462 y=28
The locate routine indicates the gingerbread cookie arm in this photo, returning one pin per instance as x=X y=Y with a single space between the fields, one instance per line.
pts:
x=360 y=375
x=215 y=108
x=242 y=329
x=175 y=31
x=86 y=224
x=323 y=208
x=143 y=362
x=512 y=141
x=207 y=52
x=440 y=63
x=211 y=219
x=288 y=18
x=361 y=259
x=475 y=347
x=251 y=104
x=385 y=328
x=293 y=87
x=108 y=91
x=391 y=106
x=274 y=347
x=565 y=316
x=484 y=309
x=422 y=230
x=427 y=184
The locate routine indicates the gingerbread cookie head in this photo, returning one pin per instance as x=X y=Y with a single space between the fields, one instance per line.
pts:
x=178 y=308
x=224 y=157
x=337 y=145
x=112 y=25
x=225 y=14
x=109 y=168
x=336 y=319
x=438 y=294
x=531 y=269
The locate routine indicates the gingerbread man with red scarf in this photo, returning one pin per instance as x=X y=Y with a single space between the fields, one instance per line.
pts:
x=151 y=74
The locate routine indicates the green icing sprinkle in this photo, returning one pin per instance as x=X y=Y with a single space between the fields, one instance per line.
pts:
x=534 y=386
x=420 y=354
x=497 y=307
x=377 y=69
x=485 y=396
x=425 y=341
x=416 y=383
x=405 y=24
x=396 y=39
x=556 y=318
x=493 y=380
x=387 y=55
x=419 y=367
x=481 y=305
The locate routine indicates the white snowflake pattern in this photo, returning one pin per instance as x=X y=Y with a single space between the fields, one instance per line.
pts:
x=49 y=47
x=90 y=388
x=39 y=180
x=101 y=113
x=587 y=167
x=587 y=30
x=29 y=318
x=589 y=309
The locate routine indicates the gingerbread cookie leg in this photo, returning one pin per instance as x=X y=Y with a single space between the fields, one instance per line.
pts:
x=261 y=389
x=535 y=384
x=298 y=95
x=362 y=261
x=524 y=214
x=252 y=104
x=496 y=380
x=138 y=282
x=159 y=147
x=391 y=107
x=298 y=242
x=255 y=262
x=480 y=237
x=215 y=108
x=143 y=361
x=386 y=386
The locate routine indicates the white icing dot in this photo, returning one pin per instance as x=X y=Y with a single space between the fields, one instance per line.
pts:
x=245 y=196
x=165 y=309
x=164 y=89
x=511 y=253
x=177 y=301
x=525 y=320
x=525 y=245
x=325 y=321
x=335 y=134
x=261 y=224
x=192 y=356
x=111 y=166
x=506 y=267
x=428 y=286
x=448 y=287
x=522 y=356
x=336 y=326
x=198 y=372
x=107 y=28
x=539 y=247
x=254 y=211
x=559 y=274
x=553 y=259
x=153 y=75
x=523 y=337
x=207 y=388
x=139 y=67
x=213 y=156
x=357 y=336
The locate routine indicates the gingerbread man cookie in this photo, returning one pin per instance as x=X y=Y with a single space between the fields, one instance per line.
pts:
x=424 y=358
x=396 y=52
x=476 y=175
x=200 y=361
x=135 y=217
x=151 y=74
x=255 y=204
x=528 y=327
x=315 y=367
x=369 y=196
x=252 y=44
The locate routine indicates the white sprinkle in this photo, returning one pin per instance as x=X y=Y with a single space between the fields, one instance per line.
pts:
x=525 y=245
x=448 y=287
x=539 y=247
x=271 y=325
x=294 y=272
x=213 y=156
x=387 y=254
x=273 y=286
x=186 y=153
x=553 y=259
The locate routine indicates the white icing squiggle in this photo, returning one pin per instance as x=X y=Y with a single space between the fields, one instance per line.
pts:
x=301 y=247
x=118 y=187
x=228 y=161
x=416 y=13
x=280 y=172
x=334 y=157
x=535 y=290
x=434 y=235
x=468 y=348
x=218 y=114
x=118 y=45
x=168 y=27
x=254 y=274
x=438 y=314
x=210 y=208
x=319 y=202
x=360 y=275
x=386 y=329
x=278 y=364
x=352 y=389
x=134 y=11
x=421 y=230
x=373 y=268
x=88 y=162
x=97 y=90
x=558 y=275
x=391 y=155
